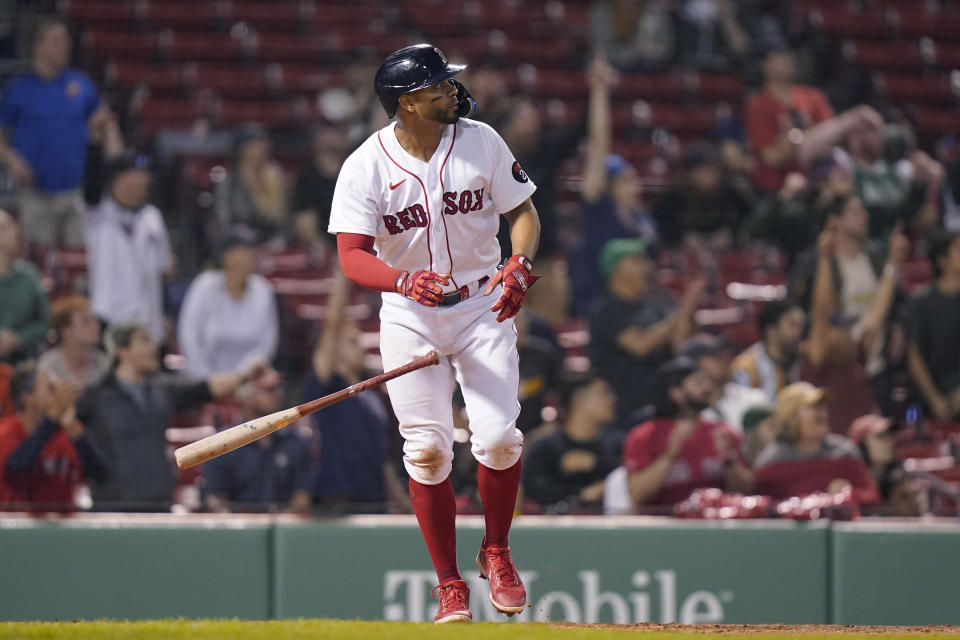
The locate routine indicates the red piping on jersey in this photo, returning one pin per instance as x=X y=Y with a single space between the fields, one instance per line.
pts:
x=443 y=218
x=426 y=198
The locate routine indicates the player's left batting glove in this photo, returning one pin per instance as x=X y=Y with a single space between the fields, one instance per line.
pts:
x=516 y=278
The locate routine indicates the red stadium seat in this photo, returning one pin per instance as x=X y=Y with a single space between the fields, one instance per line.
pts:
x=666 y=87
x=887 y=55
x=848 y=23
x=938 y=121
x=726 y=87
x=153 y=115
x=269 y=114
x=191 y=16
x=199 y=47
x=228 y=81
x=269 y=16
x=103 y=13
x=289 y=48
x=911 y=89
x=121 y=45
x=935 y=24
x=127 y=75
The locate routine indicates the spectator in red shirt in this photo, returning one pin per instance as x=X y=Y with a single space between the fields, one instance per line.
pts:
x=790 y=125
x=45 y=452
x=677 y=451
x=807 y=458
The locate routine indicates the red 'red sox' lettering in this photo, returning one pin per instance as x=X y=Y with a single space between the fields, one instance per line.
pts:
x=462 y=202
x=412 y=216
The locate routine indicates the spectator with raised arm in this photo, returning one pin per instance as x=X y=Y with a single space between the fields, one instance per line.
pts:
x=45 y=115
x=893 y=187
x=635 y=35
x=791 y=125
x=45 y=452
x=677 y=451
x=254 y=193
x=128 y=250
x=610 y=191
x=229 y=316
x=25 y=311
x=934 y=329
x=564 y=470
x=352 y=470
x=845 y=352
x=77 y=358
x=632 y=330
x=130 y=411
x=270 y=474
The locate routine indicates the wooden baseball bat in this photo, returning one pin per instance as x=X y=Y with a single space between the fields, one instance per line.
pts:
x=235 y=437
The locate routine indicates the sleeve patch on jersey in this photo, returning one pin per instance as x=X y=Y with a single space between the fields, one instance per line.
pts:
x=518 y=173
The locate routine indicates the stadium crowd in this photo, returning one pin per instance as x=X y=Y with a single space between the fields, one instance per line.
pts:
x=823 y=222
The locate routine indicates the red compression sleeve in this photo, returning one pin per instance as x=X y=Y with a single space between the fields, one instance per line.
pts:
x=360 y=265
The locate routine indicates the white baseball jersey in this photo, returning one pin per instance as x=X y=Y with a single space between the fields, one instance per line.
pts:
x=442 y=215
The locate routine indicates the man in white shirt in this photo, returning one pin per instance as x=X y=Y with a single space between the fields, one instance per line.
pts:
x=128 y=250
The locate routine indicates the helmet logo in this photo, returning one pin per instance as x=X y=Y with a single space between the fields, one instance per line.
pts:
x=443 y=58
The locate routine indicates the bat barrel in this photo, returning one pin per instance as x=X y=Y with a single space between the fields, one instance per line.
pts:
x=233 y=438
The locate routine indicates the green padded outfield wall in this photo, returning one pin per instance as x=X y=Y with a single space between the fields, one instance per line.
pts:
x=579 y=570
x=597 y=572
x=896 y=573
x=115 y=570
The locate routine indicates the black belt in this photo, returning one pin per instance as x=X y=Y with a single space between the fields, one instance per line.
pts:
x=461 y=294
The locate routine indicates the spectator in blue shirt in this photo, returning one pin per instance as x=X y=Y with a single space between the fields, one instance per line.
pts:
x=45 y=115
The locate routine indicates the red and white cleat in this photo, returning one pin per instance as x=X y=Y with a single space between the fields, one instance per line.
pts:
x=454 y=602
x=507 y=593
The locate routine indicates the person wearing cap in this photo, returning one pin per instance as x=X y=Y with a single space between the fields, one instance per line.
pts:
x=271 y=474
x=806 y=456
x=254 y=193
x=772 y=362
x=677 y=451
x=701 y=209
x=229 y=316
x=610 y=191
x=128 y=249
x=759 y=431
x=713 y=354
x=632 y=331
x=130 y=411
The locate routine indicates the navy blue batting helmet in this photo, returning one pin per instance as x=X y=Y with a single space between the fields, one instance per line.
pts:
x=409 y=69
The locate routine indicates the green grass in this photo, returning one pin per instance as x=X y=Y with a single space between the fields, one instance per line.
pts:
x=356 y=630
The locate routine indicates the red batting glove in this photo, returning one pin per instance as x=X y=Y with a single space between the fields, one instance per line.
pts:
x=516 y=278
x=421 y=286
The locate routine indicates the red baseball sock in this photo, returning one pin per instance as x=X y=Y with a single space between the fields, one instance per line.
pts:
x=498 y=492
x=436 y=511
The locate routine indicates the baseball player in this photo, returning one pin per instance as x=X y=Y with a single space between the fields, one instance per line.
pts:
x=416 y=211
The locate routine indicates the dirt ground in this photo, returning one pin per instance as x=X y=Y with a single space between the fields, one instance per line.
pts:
x=800 y=629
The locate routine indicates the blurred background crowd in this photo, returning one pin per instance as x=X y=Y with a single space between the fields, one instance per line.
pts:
x=750 y=303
